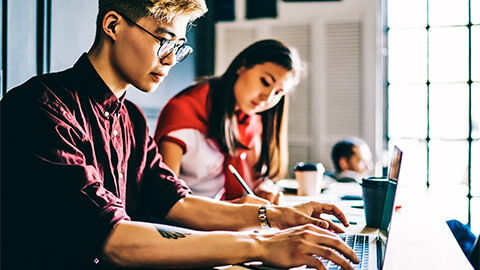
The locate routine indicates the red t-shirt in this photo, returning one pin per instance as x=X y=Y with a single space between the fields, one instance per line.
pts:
x=190 y=109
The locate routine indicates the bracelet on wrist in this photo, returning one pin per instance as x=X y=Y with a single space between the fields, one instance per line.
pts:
x=262 y=217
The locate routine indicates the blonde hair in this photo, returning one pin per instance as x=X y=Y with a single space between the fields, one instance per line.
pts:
x=162 y=10
x=166 y=10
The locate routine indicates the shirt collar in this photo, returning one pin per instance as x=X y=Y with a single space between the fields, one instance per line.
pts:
x=96 y=88
x=350 y=174
x=242 y=117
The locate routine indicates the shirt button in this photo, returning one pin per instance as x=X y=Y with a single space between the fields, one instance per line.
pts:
x=115 y=132
x=107 y=114
x=120 y=175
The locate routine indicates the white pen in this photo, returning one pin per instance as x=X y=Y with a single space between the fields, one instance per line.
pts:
x=240 y=179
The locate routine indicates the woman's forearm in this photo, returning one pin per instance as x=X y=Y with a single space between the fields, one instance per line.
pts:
x=137 y=244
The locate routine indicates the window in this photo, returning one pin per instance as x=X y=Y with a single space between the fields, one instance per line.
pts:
x=433 y=100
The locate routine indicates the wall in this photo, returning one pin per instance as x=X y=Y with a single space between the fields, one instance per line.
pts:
x=371 y=103
x=72 y=33
x=73 y=27
x=337 y=106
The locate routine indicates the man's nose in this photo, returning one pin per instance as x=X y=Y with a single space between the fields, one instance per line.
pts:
x=170 y=59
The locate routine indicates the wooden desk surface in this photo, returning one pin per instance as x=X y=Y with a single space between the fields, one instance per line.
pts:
x=418 y=238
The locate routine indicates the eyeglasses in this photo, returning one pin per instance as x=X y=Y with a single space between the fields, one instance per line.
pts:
x=167 y=46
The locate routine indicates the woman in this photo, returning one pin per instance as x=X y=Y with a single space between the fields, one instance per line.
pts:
x=238 y=118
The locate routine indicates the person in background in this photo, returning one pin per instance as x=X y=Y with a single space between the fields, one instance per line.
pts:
x=238 y=118
x=82 y=181
x=352 y=160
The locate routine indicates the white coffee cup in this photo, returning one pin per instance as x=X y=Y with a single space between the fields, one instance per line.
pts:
x=309 y=177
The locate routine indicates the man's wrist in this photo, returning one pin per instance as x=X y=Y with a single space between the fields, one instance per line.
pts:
x=262 y=217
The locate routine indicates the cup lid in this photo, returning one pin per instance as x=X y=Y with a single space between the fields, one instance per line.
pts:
x=378 y=182
x=302 y=167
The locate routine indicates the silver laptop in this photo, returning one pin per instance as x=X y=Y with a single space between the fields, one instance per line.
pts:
x=370 y=249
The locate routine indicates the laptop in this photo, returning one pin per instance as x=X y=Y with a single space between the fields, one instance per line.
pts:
x=371 y=249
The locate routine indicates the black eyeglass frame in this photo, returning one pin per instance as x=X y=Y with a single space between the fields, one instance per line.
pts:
x=166 y=44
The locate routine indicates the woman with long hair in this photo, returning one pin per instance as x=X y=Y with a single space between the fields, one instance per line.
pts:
x=239 y=119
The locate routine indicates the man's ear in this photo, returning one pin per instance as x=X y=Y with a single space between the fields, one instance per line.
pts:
x=343 y=163
x=110 y=23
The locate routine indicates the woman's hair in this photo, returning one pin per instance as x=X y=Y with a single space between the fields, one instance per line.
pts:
x=162 y=10
x=222 y=122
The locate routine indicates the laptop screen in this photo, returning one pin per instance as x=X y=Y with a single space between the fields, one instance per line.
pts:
x=395 y=162
x=393 y=173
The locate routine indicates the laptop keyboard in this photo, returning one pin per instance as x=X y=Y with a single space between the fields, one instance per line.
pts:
x=359 y=244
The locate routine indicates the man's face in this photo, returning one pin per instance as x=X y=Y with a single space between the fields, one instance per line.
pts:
x=135 y=54
x=361 y=160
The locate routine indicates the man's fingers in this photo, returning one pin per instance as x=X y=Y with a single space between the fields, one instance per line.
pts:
x=319 y=222
x=325 y=249
x=324 y=238
x=313 y=262
x=331 y=243
x=332 y=226
x=335 y=257
x=331 y=209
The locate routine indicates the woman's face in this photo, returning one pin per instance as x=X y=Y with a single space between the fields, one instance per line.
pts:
x=260 y=87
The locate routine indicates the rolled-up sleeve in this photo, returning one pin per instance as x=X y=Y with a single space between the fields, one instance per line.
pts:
x=159 y=188
x=65 y=155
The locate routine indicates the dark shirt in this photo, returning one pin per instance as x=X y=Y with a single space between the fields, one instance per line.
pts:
x=75 y=161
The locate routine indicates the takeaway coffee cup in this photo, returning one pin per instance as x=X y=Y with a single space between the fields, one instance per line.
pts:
x=309 y=177
x=378 y=198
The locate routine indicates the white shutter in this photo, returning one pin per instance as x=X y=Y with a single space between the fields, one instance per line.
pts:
x=343 y=85
x=299 y=133
x=327 y=104
x=231 y=42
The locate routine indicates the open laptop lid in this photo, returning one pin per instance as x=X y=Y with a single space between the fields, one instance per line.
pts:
x=395 y=162
x=393 y=175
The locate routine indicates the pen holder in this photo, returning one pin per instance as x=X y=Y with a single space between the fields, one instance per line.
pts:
x=378 y=198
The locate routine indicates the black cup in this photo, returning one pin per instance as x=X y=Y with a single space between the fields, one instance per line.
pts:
x=378 y=198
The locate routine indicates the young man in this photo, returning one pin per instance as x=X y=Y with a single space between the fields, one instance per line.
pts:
x=78 y=167
x=352 y=160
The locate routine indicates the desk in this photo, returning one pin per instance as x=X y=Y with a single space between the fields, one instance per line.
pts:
x=418 y=238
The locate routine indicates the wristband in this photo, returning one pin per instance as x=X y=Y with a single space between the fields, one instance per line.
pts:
x=262 y=217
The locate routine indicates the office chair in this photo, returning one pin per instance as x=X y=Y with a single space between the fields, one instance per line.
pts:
x=474 y=257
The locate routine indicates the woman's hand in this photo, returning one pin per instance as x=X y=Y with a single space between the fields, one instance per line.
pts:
x=296 y=246
x=305 y=213
x=269 y=191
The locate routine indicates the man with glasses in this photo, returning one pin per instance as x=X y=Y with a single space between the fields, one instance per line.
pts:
x=81 y=176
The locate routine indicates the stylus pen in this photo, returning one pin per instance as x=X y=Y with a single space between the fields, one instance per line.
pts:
x=240 y=179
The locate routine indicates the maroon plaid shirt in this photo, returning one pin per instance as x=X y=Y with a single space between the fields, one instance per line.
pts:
x=75 y=160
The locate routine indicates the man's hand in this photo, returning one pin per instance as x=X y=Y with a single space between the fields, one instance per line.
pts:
x=306 y=213
x=295 y=246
